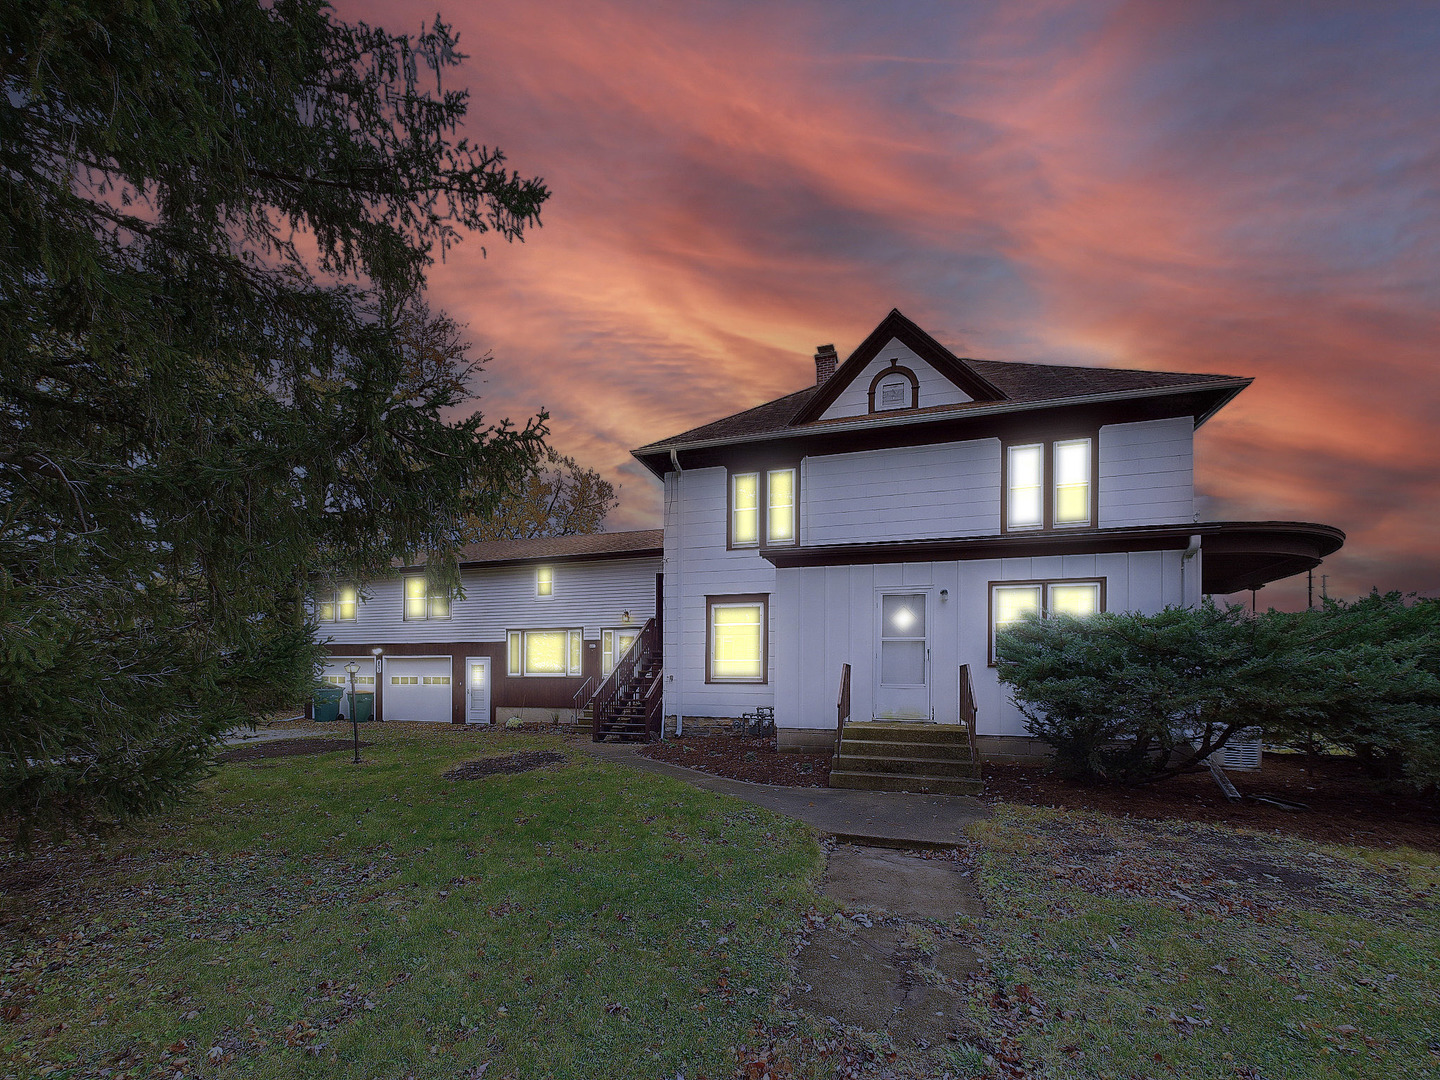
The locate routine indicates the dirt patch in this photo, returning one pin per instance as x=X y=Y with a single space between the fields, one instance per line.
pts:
x=743 y=757
x=286 y=748
x=507 y=763
x=1345 y=806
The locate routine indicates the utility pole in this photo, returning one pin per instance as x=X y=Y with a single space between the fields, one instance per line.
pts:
x=1310 y=589
x=1324 y=578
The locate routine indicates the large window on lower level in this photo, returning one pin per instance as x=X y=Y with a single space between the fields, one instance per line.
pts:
x=737 y=638
x=1012 y=601
x=545 y=652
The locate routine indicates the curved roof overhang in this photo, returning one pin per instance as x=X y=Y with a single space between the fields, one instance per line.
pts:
x=1235 y=555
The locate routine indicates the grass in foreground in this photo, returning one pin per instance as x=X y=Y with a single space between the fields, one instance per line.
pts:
x=1143 y=949
x=308 y=917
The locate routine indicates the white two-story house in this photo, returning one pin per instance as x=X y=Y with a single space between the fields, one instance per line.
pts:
x=889 y=517
x=894 y=514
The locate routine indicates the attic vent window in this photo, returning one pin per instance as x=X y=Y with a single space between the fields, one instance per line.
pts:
x=892 y=394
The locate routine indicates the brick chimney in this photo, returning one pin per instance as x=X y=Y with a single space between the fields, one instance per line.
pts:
x=825 y=362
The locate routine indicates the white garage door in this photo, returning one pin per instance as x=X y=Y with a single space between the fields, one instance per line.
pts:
x=417 y=688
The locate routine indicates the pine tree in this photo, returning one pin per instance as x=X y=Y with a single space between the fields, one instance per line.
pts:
x=215 y=388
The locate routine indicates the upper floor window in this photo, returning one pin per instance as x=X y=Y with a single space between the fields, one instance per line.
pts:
x=1049 y=485
x=544 y=581
x=423 y=602
x=338 y=606
x=763 y=503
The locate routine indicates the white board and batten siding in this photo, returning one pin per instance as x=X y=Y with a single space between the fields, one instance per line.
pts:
x=697 y=565
x=1146 y=473
x=902 y=493
x=827 y=617
x=590 y=593
x=935 y=389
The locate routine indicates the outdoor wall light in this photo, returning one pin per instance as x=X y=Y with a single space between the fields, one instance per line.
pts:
x=625 y=618
x=944 y=595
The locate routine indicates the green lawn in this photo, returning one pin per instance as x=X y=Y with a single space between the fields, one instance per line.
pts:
x=1170 y=949
x=308 y=917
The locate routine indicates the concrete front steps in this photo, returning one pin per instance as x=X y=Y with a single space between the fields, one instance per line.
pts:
x=932 y=759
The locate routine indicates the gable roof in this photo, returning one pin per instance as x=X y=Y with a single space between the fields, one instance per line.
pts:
x=897 y=327
x=997 y=386
x=616 y=545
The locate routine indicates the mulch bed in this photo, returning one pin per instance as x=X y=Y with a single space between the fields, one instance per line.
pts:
x=286 y=748
x=507 y=763
x=743 y=757
x=1345 y=806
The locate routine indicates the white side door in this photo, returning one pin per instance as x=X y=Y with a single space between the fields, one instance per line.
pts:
x=902 y=671
x=417 y=688
x=477 y=690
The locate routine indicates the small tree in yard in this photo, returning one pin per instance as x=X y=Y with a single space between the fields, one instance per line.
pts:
x=559 y=497
x=1132 y=698
x=217 y=382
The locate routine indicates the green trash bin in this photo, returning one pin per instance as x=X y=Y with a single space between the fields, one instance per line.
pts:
x=364 y=706
x=327 y=703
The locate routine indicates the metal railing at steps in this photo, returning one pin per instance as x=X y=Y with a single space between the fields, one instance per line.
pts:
x=842 y=706
x=968 y=711
x=618 y=681
x=581 y=700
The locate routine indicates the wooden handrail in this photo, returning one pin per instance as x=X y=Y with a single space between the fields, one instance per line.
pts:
x=842 y=706
x=968 y=711
x=620 y=678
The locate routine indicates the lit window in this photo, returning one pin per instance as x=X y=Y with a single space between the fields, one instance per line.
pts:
x=745 y=509
x=1072 y=482
x=422 y=602
x=737 y=641
x=1011 y=603
x=780 y=516
x=339 y=606
x=544 y=581
x=545 y=652
x=1025 y=468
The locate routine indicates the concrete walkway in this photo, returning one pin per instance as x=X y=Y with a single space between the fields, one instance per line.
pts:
x=873 y=818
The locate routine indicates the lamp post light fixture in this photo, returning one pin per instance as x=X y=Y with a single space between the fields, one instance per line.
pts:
x=352 y=668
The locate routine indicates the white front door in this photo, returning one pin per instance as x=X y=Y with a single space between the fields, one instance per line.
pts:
x=417 y=688
x=477 y=690
x=614 y=645
x=902 y=669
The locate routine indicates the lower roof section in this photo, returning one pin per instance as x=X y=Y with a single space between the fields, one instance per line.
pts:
x=1237 y=554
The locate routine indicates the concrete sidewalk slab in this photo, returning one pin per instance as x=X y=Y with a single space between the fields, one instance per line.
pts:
x=876 y=879
x=874 y=818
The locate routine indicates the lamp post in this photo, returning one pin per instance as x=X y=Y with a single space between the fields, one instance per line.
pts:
x=352 y=668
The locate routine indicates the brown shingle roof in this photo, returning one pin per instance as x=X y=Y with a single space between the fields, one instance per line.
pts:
x=1021 y=384
x=589 y=546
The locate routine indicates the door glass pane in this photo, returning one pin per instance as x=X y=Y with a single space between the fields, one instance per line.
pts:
x=902 y=663
x=477 y=676
x=903 y=616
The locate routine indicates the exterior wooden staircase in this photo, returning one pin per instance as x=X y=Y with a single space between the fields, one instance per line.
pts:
x=628 y=704
x=933 y=759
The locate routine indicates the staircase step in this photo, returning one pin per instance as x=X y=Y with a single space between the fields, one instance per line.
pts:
x=925 y=785
x=906 y=766
x=955 y=751
x=880 y=731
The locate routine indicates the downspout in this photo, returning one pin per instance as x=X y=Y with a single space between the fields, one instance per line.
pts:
x=679 y=562
x=1190 y=553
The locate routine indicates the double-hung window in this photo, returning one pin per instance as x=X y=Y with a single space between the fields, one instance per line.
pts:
x=551 y=653
x=1049 y=485
x=763 y=504
x=338 y=606
x=544 y=581
x=1012 y=601
x=423 y=601
x=737 y=636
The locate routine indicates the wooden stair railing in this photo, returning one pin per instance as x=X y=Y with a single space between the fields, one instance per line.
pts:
x=842 y=706
x=968 y=710
x=654 y=708
x=619 y=684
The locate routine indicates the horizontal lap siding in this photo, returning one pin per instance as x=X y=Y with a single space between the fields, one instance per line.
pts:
x=905 y=493
x=1147 y=473
x=935 y=389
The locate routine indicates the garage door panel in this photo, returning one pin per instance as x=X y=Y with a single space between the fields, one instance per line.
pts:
x=418 y=688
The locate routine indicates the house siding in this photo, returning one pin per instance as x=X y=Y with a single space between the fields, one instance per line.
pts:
x=1146 y=472
x=935 y=389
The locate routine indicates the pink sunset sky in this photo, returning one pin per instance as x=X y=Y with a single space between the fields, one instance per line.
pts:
x=1242 y=188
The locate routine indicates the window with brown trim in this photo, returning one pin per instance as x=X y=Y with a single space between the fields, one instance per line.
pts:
x=1048 y=484
x=894 y=388
x=339 y=605
x=763 y=505
x=737 y=638
x=1011 y=601
x=545 y=653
